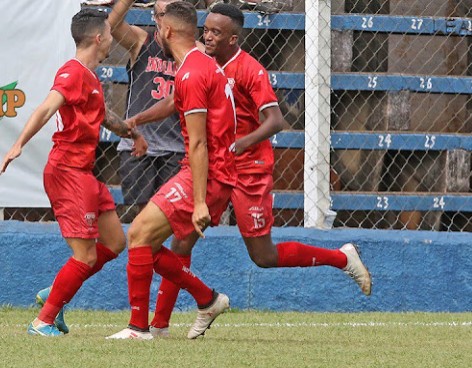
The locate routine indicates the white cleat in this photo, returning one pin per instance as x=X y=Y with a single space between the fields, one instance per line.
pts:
x=159 y=332
x=129 y=333
x=206 y=316
x=355 y=269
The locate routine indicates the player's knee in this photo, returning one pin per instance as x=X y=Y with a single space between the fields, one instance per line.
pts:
x=182 y=247
x=263 y=261
x=120 y=244
x=137 y=235
x=133 y=233
x=90 y=259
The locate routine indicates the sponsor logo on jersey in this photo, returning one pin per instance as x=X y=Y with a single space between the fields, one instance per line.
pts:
x=12 y=99
x=157 y=65
x=95 y=91
x=64 y=75
x=261 y=72
x=186 y=76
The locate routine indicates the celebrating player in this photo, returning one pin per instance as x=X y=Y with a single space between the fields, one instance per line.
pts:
x=198 y=195
x=83 y=206
x=251 y=199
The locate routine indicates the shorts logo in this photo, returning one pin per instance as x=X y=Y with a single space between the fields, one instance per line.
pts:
x=90 y=218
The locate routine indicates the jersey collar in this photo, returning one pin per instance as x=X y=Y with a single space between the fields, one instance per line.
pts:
x=185 y=57
x=91 y=72
x=232 y=58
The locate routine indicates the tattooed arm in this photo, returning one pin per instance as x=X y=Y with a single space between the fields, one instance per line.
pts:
x=116 y=125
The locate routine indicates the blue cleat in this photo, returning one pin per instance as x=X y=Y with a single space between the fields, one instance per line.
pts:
x=43 y=329
x=41 y=298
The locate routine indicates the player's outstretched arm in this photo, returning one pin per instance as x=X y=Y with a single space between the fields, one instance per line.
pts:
x=37 y=120
x=129 y=37
x=157 y=112
x=273 y=123
x=198 y=160
x=115 y=124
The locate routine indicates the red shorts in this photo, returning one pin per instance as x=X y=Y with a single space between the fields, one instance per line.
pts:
x=175 y=199
x=77 y=199
x=252 y=202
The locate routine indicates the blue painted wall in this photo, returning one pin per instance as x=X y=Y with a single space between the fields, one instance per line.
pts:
x=412 y=271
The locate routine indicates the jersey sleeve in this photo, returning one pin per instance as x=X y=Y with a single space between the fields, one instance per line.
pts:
x=259 y=86
x=68 y=82
x=194 y=92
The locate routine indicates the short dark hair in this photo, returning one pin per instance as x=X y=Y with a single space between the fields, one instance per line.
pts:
x=183 y=11
x=230 y=11
x=85 y=22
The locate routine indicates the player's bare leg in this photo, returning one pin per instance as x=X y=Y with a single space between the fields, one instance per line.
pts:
x=146 y=235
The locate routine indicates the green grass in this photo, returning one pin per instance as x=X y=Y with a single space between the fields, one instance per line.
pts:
x=248 y=339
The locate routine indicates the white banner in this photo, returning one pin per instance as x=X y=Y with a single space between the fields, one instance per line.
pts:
x=35 y=41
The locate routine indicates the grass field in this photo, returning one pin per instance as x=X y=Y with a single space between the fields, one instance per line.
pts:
x=248 y=339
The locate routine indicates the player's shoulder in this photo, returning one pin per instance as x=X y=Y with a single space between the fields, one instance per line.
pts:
x=198 y=63
x=71 y=69
x=247 y=62
x=250 y=66
x=247 y=59
x=197 y=55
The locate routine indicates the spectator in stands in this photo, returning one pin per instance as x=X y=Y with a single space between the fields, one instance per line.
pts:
x=252 y=198
x=83 y=206
x=199 y=193
x=151 y=76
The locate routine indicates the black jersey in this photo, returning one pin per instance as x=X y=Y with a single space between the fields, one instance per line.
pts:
x=151 y=79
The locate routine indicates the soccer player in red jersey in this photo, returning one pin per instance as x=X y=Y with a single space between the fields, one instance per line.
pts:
x=251 y=199
x=83 y=206
x=198 y=195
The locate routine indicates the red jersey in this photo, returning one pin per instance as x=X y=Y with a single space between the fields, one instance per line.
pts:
x=252 y=93
x=200 y=86
x=78 y=119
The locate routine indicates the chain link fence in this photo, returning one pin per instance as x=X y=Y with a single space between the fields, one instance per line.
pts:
x=400 y=72
x=399 y=112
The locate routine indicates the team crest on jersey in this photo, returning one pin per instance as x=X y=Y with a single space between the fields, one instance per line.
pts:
x=89 y=218
x=231 y=82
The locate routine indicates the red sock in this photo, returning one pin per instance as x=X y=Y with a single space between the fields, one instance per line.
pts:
x=166 y=298
x=66 y=284
x=104 y=255
x=169 y=266
x=293 y=254
x=139 y=282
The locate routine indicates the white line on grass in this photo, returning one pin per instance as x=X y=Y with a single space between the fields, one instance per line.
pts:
x=286 y=325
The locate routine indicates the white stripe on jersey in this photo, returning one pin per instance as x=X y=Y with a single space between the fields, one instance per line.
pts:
x=194 y=111
x=59 y=122
x=270 y=104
